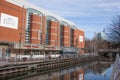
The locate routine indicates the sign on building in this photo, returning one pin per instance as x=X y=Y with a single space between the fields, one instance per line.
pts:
x=8 y=21
x=81 y=77
x=81 y=38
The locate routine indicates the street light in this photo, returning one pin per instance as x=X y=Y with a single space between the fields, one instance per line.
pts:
x=76 y=44
x=55 y=49
x=44 y=49
x=20 y=44
x=21 y=32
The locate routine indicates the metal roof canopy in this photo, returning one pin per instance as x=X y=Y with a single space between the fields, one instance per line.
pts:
x=25 y=4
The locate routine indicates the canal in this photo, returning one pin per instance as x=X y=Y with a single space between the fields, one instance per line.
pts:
x=86 y=71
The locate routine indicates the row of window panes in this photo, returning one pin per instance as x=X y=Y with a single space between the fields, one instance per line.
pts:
x=27 y=41
x=27 y=36
x=47 y=33
x=28 y=32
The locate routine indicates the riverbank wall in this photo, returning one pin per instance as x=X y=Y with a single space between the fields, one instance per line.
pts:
x=44 y=64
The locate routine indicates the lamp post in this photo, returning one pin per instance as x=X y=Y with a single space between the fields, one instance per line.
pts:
x=76 y=44
x=44 y=49
x=20 y=40
x=55 y=49
x=20 y=44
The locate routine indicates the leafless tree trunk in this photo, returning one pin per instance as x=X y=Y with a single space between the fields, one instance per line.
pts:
x=95 y=45
x=115 y=31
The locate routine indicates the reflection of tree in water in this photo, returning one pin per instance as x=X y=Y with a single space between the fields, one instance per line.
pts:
x=97 y=67
x=74 y=72
x=68 y=74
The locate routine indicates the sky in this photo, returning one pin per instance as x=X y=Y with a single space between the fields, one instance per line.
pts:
x=90 y=15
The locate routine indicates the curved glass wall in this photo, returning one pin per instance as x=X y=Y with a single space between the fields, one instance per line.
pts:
x=71 y=37
x=62 y=23
x=28 y=22
x=49 y=18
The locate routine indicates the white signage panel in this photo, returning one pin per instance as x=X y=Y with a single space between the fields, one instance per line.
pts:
x=81 y=77
x=8 y=21
x=81 y=38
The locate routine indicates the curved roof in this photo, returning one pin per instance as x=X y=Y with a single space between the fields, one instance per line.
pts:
x=43 y=11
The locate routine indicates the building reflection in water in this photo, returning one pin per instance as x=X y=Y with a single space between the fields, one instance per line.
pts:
x=99 y=70
x=90 y=71
x=66 y=74
x=75 y=75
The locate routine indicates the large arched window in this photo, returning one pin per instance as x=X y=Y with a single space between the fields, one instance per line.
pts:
x=49 y=18
x=29 y=12
x=62 y=24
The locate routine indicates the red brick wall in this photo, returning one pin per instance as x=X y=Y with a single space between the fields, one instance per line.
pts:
x=35 y=29
x=43 y=29
x=9 y=34
x=66 y=36
x=83 y=43
x=67 y=76
x=76 y=42
x=75 y=36
x=13 y=35
x=77 y=33
x=58 y=36
x=80 y=44
x=80 y=72
x=53 y=33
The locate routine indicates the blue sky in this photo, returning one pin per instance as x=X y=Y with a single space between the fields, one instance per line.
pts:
x=90 y=15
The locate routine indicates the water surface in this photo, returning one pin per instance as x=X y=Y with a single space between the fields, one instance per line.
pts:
x=87 y=71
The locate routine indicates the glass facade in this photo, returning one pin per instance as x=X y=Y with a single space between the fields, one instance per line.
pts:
x=30 y=11
x=27 y=33
x=71 y=37
x=49 y=18
x=48 y=33
x=62 y=30
x=61 y=35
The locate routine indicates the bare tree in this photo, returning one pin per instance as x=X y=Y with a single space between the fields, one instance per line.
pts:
x=115 y=31
x=94 y=45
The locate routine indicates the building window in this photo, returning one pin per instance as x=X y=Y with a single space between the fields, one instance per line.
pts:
x=71 y=37
x=61 y=35
x=28 y=23
x=47 y=33
x=27 y=36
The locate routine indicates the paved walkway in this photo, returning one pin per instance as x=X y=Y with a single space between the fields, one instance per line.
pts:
x=3 y=63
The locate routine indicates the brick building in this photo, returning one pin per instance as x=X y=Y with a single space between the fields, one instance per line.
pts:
x=27 y=29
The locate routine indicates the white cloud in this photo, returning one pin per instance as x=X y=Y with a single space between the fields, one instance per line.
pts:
x=96 y=12
x=79 y=7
